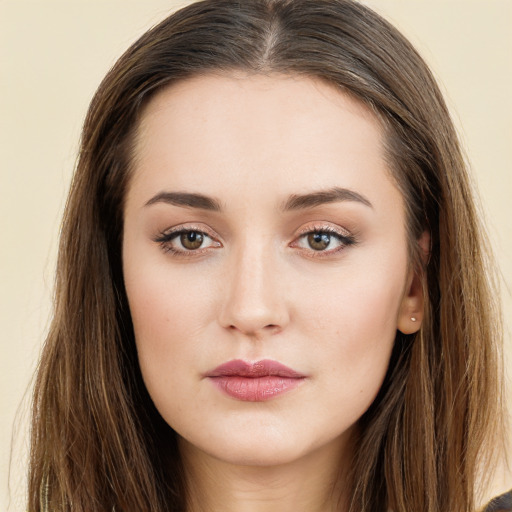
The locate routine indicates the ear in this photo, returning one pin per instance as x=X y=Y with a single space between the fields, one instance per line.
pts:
x=411 y=310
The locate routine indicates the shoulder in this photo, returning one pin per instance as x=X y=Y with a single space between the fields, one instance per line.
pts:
x=502 y=503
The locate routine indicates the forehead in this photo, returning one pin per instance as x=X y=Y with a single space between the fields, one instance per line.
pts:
x=250 y=131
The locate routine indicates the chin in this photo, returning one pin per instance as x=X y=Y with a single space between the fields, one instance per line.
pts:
x=272 y=447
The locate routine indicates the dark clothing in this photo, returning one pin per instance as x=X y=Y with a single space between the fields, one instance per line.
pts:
x=502 y=503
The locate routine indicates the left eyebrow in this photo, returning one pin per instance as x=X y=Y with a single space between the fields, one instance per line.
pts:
x=332 y=195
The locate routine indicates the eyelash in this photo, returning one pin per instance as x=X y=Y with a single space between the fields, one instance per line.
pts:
x=166 y=238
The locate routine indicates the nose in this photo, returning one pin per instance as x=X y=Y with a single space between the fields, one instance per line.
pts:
x=255 y=301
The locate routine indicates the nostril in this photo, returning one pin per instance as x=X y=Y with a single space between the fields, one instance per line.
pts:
x=270 y=328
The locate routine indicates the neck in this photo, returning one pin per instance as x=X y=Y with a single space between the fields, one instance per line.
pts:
x=314 y=483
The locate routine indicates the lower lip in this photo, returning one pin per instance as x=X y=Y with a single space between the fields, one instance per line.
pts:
x=255 y=389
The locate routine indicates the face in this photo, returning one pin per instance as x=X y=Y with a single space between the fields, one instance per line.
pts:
x=265 y=262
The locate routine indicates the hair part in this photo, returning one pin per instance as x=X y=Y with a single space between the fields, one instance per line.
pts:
x=98 y=442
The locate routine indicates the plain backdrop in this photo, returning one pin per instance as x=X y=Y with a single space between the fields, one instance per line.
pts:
x=53 y=55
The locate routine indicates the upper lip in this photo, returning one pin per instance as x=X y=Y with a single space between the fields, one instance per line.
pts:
x=262 y=368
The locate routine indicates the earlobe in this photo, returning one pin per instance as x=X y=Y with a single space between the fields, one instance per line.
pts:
x=411 y=310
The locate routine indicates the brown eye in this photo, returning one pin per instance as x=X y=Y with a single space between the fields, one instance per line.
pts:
x=324 y=242
x=191 y=240
x=187 y=242
x=319 y=241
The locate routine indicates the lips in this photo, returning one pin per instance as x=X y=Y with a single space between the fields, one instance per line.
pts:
x=254 y=382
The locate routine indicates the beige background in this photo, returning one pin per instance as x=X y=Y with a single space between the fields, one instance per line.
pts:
x=53 y=55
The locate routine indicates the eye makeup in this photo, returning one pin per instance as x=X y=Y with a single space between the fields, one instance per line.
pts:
x=323 y=240
x=319 y=240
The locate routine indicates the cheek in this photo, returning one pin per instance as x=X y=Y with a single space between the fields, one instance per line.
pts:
x=353 y=302
x=162 y=295
x=160 y=304
x=354 y=318
x=169 y=315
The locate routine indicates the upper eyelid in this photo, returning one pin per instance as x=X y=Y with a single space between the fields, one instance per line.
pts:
x=319 y=227
x=180 y=228
x=315 y=226
x=303 y=230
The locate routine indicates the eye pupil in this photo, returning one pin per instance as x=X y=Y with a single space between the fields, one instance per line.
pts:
x=191 y=240
x=319 y=241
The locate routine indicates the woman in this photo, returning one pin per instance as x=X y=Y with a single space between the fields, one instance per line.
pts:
x=272 y=286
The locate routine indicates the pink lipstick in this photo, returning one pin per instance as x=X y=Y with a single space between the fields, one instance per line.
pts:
x=254 y=382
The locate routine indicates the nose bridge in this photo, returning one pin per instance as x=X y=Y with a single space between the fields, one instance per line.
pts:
x=254 y=300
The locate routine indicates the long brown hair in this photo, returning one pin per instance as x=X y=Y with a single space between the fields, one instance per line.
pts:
x=98 y=444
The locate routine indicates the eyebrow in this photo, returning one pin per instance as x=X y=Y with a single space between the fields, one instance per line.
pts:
x=332 y=195
x=294 y=202
x=186 y=199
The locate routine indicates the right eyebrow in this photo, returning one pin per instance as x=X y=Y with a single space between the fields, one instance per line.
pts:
x=187 y=200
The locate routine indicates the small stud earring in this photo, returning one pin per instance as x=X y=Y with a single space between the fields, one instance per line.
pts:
x=413 y=318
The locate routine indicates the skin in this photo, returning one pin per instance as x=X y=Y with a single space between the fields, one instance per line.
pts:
x=256 y=289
